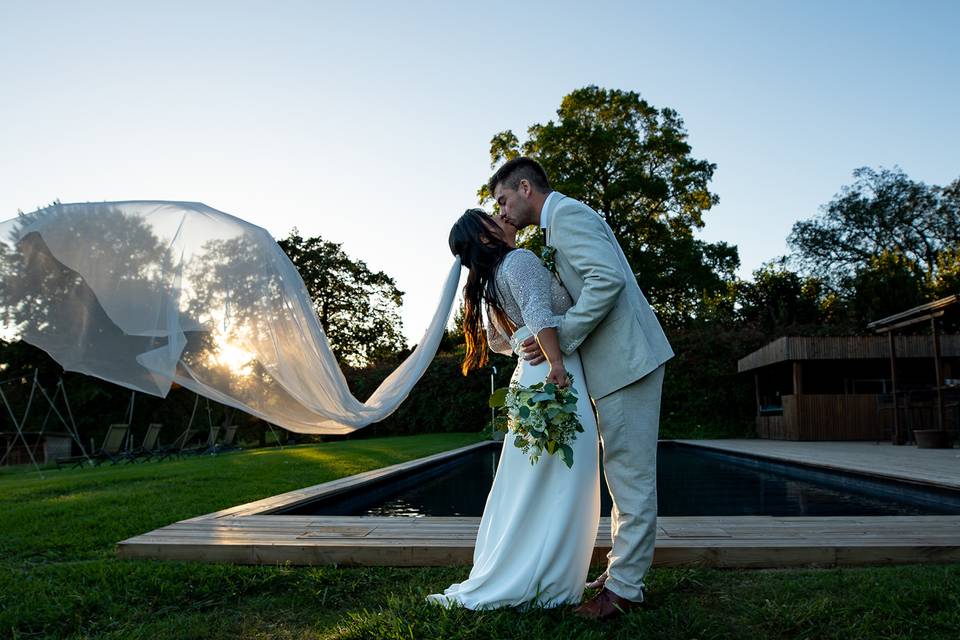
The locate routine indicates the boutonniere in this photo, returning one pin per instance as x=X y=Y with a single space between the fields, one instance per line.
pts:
x=548 y=255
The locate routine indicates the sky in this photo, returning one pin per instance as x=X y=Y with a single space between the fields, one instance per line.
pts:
x=369 y=123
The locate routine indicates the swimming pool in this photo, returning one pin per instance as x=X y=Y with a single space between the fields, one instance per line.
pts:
x=691 y=481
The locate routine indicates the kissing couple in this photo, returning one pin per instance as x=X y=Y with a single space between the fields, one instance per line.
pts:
x=583 y=322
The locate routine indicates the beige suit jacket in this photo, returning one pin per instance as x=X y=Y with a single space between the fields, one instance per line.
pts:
x=611 y=323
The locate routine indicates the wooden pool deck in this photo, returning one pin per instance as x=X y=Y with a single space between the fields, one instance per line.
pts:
x=249 y=534
x=938 y=467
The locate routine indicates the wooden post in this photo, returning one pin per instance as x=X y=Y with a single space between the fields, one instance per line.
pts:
x=938 y=379
x=756 y=387
x=895 y=436
x=801 y=432
x=762 y=427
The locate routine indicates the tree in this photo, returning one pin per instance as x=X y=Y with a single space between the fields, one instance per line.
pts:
x=51 y=305
x=780 y=301
x=882 y=214
x=887 y=284
x=948 y=273
x=631 y=162
x=359 y=309
x=453 y=337
x=947 y=279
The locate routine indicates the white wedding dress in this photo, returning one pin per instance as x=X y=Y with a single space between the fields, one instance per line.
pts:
x=539 y=525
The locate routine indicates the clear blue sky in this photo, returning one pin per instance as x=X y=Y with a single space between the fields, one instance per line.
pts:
x=369 y=123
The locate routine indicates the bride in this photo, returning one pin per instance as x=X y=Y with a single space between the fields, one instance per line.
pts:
x=539 y=525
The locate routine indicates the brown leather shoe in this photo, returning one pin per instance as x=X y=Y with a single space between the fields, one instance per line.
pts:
x=605 y=605
x=598 y=583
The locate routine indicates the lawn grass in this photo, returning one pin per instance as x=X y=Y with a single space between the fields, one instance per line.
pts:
x=59 y=577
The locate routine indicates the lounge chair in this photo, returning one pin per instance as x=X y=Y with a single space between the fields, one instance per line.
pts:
x=111 y=449
x=178 y=446
x=207 y=447
x=226 y=444
x=150 y=445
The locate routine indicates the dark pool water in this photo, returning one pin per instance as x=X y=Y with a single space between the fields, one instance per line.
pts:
x=690 y=482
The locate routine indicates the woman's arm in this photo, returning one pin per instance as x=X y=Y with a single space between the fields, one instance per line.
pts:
x=550 y=344
x=530 y=284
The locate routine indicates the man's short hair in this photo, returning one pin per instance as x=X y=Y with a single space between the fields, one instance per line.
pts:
x=522 y=168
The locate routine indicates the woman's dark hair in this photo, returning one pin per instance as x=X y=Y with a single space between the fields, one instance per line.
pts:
x=481 y=251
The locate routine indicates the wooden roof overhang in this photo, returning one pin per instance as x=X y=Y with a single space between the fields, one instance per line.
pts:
x=799 y=348
x=930 y=312
x=916 y=315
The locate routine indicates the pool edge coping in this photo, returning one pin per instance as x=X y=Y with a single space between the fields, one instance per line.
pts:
x=852 y=471
x=270 y=505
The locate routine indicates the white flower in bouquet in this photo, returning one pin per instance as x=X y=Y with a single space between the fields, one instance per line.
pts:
x=543 y=417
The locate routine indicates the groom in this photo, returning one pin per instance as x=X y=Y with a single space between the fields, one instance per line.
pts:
x=622 y=348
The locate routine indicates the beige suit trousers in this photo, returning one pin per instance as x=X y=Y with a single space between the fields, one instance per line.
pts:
x=629 y=420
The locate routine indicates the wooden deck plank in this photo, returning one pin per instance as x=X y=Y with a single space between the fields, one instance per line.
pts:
x=758 y=541
x=364 y=547
x=666 y=525
x=778 y=536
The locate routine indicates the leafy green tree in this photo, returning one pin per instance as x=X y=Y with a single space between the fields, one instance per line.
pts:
x=948 y=273
x=947 y=279
x=882 y=215
x=358 y=308
x=888 y=283
x=41 y=298
x=453 y=337
x=780 y=301
x=631 y=162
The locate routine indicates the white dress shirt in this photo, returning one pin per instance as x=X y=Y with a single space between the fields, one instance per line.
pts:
x=545 y=211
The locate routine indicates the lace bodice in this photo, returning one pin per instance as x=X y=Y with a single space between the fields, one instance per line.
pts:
x=530 y=295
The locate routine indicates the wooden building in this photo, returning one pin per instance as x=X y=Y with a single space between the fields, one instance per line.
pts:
x=840 y=387
x=16 y=448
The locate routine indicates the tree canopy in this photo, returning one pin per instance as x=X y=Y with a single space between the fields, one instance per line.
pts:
x=883 y=218
x=358 y=308
x=883 y=244
x=632 y=163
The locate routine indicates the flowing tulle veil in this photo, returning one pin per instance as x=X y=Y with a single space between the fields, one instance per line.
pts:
x=148 y=293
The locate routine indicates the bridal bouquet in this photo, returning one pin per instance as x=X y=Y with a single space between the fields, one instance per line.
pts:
x=542 y=416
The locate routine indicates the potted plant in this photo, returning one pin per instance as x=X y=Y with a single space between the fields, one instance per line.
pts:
x=932 y=438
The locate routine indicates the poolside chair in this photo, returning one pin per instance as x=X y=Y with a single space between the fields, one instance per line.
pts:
x=226 y=443
x=207 y=447
x=111 y=449
x=178 y=446
x=113 y=442
x=150 y=445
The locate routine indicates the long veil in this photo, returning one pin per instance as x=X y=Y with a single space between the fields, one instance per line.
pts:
x=149 y=293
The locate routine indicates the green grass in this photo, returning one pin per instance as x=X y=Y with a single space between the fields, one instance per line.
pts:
x=59 y=577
